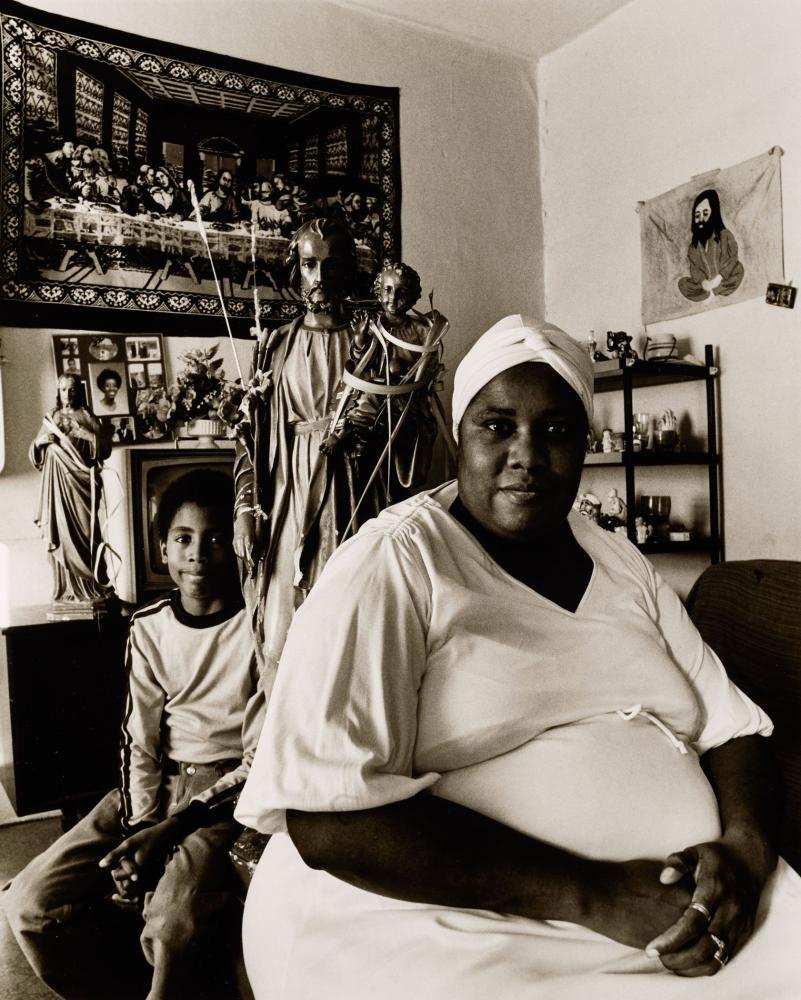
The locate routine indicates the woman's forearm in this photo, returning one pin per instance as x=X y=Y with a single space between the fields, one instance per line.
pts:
x=430 y=850
x=747 y=784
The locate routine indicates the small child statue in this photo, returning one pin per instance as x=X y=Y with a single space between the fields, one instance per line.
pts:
x=400 y=346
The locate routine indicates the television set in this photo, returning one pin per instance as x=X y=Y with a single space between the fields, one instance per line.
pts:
x=152 y=470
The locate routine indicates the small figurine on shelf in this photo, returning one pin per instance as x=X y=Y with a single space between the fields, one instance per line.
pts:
x=607 y=446
x=588 y=505
x=642 y=530
x=613 y=512
x=619 y=345
x=69 y=451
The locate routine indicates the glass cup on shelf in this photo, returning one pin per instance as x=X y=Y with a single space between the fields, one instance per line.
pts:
x=642 y=428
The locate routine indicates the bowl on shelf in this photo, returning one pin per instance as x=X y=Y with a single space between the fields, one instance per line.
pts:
x=660 y=348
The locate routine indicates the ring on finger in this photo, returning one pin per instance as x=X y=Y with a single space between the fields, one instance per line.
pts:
x=701 y=909
x=720 y=955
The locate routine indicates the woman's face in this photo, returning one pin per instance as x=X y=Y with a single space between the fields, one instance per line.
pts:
x=67 y=391
x=522 y=442
x=110 y=390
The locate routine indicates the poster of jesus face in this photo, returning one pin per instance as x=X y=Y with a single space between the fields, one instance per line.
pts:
x=714 y=241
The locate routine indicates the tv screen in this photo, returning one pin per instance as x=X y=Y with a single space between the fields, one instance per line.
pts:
x=152 y=471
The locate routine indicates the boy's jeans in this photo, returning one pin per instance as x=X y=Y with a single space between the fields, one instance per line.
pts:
x=82 y=946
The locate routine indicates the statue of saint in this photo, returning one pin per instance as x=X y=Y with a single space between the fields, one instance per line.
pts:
x=407 y=349
x=69 y=450
x=306 y=476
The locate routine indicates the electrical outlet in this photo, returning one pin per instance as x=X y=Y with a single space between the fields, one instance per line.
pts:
x=780 y=295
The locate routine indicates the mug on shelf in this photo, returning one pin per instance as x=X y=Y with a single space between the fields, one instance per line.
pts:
x=660 y=348
x=665 y=439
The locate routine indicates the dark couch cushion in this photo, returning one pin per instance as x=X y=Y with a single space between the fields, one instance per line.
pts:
x=749 y=612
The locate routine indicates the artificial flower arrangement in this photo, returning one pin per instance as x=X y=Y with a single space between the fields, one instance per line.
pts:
x=200 y=392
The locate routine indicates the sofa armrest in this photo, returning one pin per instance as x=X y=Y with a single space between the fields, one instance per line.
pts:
x=749 y=612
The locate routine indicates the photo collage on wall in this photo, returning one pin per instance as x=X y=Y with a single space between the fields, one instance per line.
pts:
x=122 y=375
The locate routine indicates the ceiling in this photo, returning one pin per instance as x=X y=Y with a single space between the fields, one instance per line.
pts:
x=528 y=28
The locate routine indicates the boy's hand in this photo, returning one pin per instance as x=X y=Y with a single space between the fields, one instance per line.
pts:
x=137 y=863
x=126 y=884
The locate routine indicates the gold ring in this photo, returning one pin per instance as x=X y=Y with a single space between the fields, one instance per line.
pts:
x=701 y=909
x=720 y=954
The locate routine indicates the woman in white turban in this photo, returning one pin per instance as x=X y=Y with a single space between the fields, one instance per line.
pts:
x=482 y=758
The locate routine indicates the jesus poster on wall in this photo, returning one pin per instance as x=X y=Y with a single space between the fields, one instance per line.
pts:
x=714 y=241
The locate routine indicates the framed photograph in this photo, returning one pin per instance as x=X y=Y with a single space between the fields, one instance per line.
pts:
x=116 y=386
x=780 y=295
x=117 y=148
x=143 y=348
x=106 y=379
x=122 y=432
x=152 y=470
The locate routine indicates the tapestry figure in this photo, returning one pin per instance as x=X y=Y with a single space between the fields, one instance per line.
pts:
x=713 y=254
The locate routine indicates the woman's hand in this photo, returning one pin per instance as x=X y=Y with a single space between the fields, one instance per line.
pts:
x=43 y=440
x=628 y=903
x=729 y=876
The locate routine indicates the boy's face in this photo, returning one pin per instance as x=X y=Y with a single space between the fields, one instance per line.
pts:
x=199 y=555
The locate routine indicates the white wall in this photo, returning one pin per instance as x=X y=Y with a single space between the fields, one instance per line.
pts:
x=655 y=94
x=469 y=167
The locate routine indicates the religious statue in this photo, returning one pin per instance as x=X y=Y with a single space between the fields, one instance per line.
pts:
x=398 y=347
x=69 y=450
x=398 y=290
x=313 y=461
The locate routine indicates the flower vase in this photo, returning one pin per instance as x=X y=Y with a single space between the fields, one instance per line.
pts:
x=205 y=430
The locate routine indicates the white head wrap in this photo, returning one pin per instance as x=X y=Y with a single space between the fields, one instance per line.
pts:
x=513 y=341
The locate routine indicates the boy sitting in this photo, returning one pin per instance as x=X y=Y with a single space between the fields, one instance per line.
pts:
x=159 y=844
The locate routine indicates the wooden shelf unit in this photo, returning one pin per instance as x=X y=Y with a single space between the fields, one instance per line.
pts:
x=626 y=375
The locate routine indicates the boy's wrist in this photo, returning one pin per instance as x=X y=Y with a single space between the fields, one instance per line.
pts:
x=194 y=816
x=129 y=829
